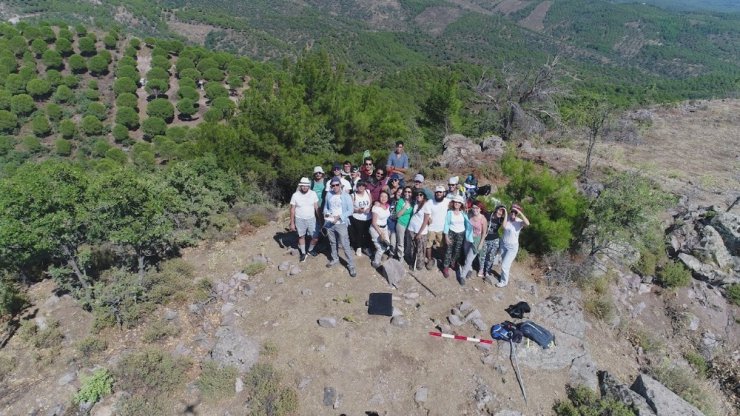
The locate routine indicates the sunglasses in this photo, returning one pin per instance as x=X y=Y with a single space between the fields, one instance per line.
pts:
x=368 y=164
x=335 y=184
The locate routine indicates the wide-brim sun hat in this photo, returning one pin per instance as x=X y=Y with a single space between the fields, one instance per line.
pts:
x=458 y=198
x=304 y=182
x=318 y=169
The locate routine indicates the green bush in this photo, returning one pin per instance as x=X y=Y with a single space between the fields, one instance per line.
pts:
x=12 y=299
x=583 y=401
x=91 y=126
x=117 y=155
x=150 y=371
x=267 y=395
x=154 y=126
x=99 y=110
x=22 y=105
x=125 y=85
x=216 y=383
x=551 y=203
x=674 y=275
x=128 y=117
x=90 y=346
x=40 y=126
x=63 y=147
x=732 y=292
x=94 y=387
x=67 y=128
x=600 y=307
x=49 y=337
x=8 y=122
x=32 y=144
x=697 y=362
x=127 y=99
x=158 y=330
x=161 y=108
x=64 y=94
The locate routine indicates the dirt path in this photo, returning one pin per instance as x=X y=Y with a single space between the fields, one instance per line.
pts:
x=143 y=64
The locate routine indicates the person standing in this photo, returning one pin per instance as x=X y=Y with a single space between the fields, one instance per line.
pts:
x=337 y=211
x=513 y=224
x=456 y=230
x=398 y=162
x=473 y=248
x=367 y=169
x=417 y=230
x=318 y=184
x=438 y=210
x=346 y=169
x=379 y=228
x=404 y=208
x=492 y=257
x=419 y=186
x=376 y=183
x=304 y=208
x=362 y=203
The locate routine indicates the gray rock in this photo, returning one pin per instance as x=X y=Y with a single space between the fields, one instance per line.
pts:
x=479 y=324
x=399 y=321
x=182 y=351
x=41 y=323
x=304 y=383
x=248 y=290
x=306 y=292
x=67 y=378
x=295 y=270
x=284 y=266
x=327 y=322
x=233 y=347
x=260 y=259
x=227 y=308
x=464 y=307
x=493 y=145
x=412 y=295
x=713 y=248
x=279 y=281
x=508 y=412
x=728 y=226
x=583 y=371
x=483 y=395
x=170 y=314
x=705 y=271
x=421 y=395
x=396 y=312
x=483 y=346
x=637 y=310
x=474 y=314
x=393 y=271
x=195 y=308
x=709 y=344
x=661 y=399
x=330 y=396
x=611 y=387
x=454 y=320
x=238 y=385
x=459 y=152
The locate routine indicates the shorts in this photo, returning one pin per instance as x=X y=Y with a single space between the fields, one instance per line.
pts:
x=306 y=226
x=435 y=239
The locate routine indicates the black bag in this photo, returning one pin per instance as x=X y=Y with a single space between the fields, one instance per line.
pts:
x=506 y=331
x=380 y=304
x=536 y=333
x=517 y=311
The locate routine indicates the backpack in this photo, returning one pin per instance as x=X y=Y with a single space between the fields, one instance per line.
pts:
x=506 y=331
x=536 y=333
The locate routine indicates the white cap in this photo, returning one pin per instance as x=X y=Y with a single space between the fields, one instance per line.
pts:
x=458 y=198
x=454 y=180
x=419 y=178
x=318 y=169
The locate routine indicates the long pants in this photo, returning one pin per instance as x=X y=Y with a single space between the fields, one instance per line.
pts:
x=360 y=233
x=470 y=255
x=380 y=246
x=492 y=255
x=401 y=241
x=392 y=237
x=508 y=256
x=339 y=232
x=416 y=248
x=454 y=249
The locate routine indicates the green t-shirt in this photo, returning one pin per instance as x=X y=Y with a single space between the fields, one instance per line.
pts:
x=406 y=217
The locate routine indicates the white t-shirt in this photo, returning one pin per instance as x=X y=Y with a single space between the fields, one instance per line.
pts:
x=346 y=186
x=361 y=201
x=457 y=222
x=511 y=232
x=334 y=203
x=438 y=213
x=381 y=213
x=304 y=204
x=417 y=218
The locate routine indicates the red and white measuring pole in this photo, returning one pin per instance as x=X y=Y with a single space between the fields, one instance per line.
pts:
x=461 y=338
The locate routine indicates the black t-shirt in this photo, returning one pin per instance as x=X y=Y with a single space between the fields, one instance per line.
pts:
x=493 y=225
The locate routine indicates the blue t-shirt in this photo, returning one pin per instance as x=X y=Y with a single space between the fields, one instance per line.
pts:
x=398 y=162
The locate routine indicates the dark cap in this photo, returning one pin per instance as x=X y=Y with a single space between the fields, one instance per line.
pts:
x=335 y=180
x=361 y=183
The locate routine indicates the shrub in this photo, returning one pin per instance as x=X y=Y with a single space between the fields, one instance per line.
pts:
x=157 y=87
x=186 y=108
x=127 y=71
x=161 y=108
x=674 y=275
x=127 y=99
x=117 y=155
x=62 y=147
x=124 y=85
x=63 y=94
x=63 y=46
x=120 y=134
x=154 y=126
x=36 y=337
x=159 y=329
x=22 y=105
x=32 y=144
x=97 y=65
x=67 y=128
x=12 y=299
x=91 y=126
x=92 y=94
x=190 y=73
x=54 y=112
x=94 y=387
x=128 y=117
x=267 y=395
x=582 y=401
x=255 y=268
x=53 y=59
x=600 y=307
x=77 y=64
x=150 y=371
x=697 y=362
x=188 y=92
x=8 y=122
x=551 y=203
x=732 y=292
x=86 y=45
x=213 y=115
x=38 y=88
x=216 y=383
x=90 y=346
x=40 y=126
x=215 y=90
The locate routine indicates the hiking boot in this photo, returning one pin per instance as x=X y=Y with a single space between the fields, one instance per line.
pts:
x=303 y=257
x=480 y=273
x=358 y=252
x=446 y=272
x=502 y=284
x=313 y=253
x=375 y=265
x=430 y=264
x=332 y=263
x=352 y=273
x=461 y=280
x=470 y=274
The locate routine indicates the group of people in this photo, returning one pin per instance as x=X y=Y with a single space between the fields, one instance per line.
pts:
x=371 y=210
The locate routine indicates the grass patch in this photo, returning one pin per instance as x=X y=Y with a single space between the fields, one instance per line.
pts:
x=49 y=337
x=150 y=372
x=267 y=396
x=697 y=362
x=90 y=346
x=733 y=293
x=158 y=330
x=674 y=275
x=600 y=307
x=95 y=387
x=258 y=219
x=203 y=290
x=140 y=405
x=583 y=401
x=255 y=268
x=269 y=349
x=216 y=382
x=685 y=384
x=7 y=365
x=644 y=340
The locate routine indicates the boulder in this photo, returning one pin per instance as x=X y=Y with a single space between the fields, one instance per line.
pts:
x=712 y=248
x=494 y=146
x=705 y=271
x=233 y=347
x=393 y=271
x=611 y=387
x=661 y=399
x=459 y=152
x=583 y=372
x=727 y=225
